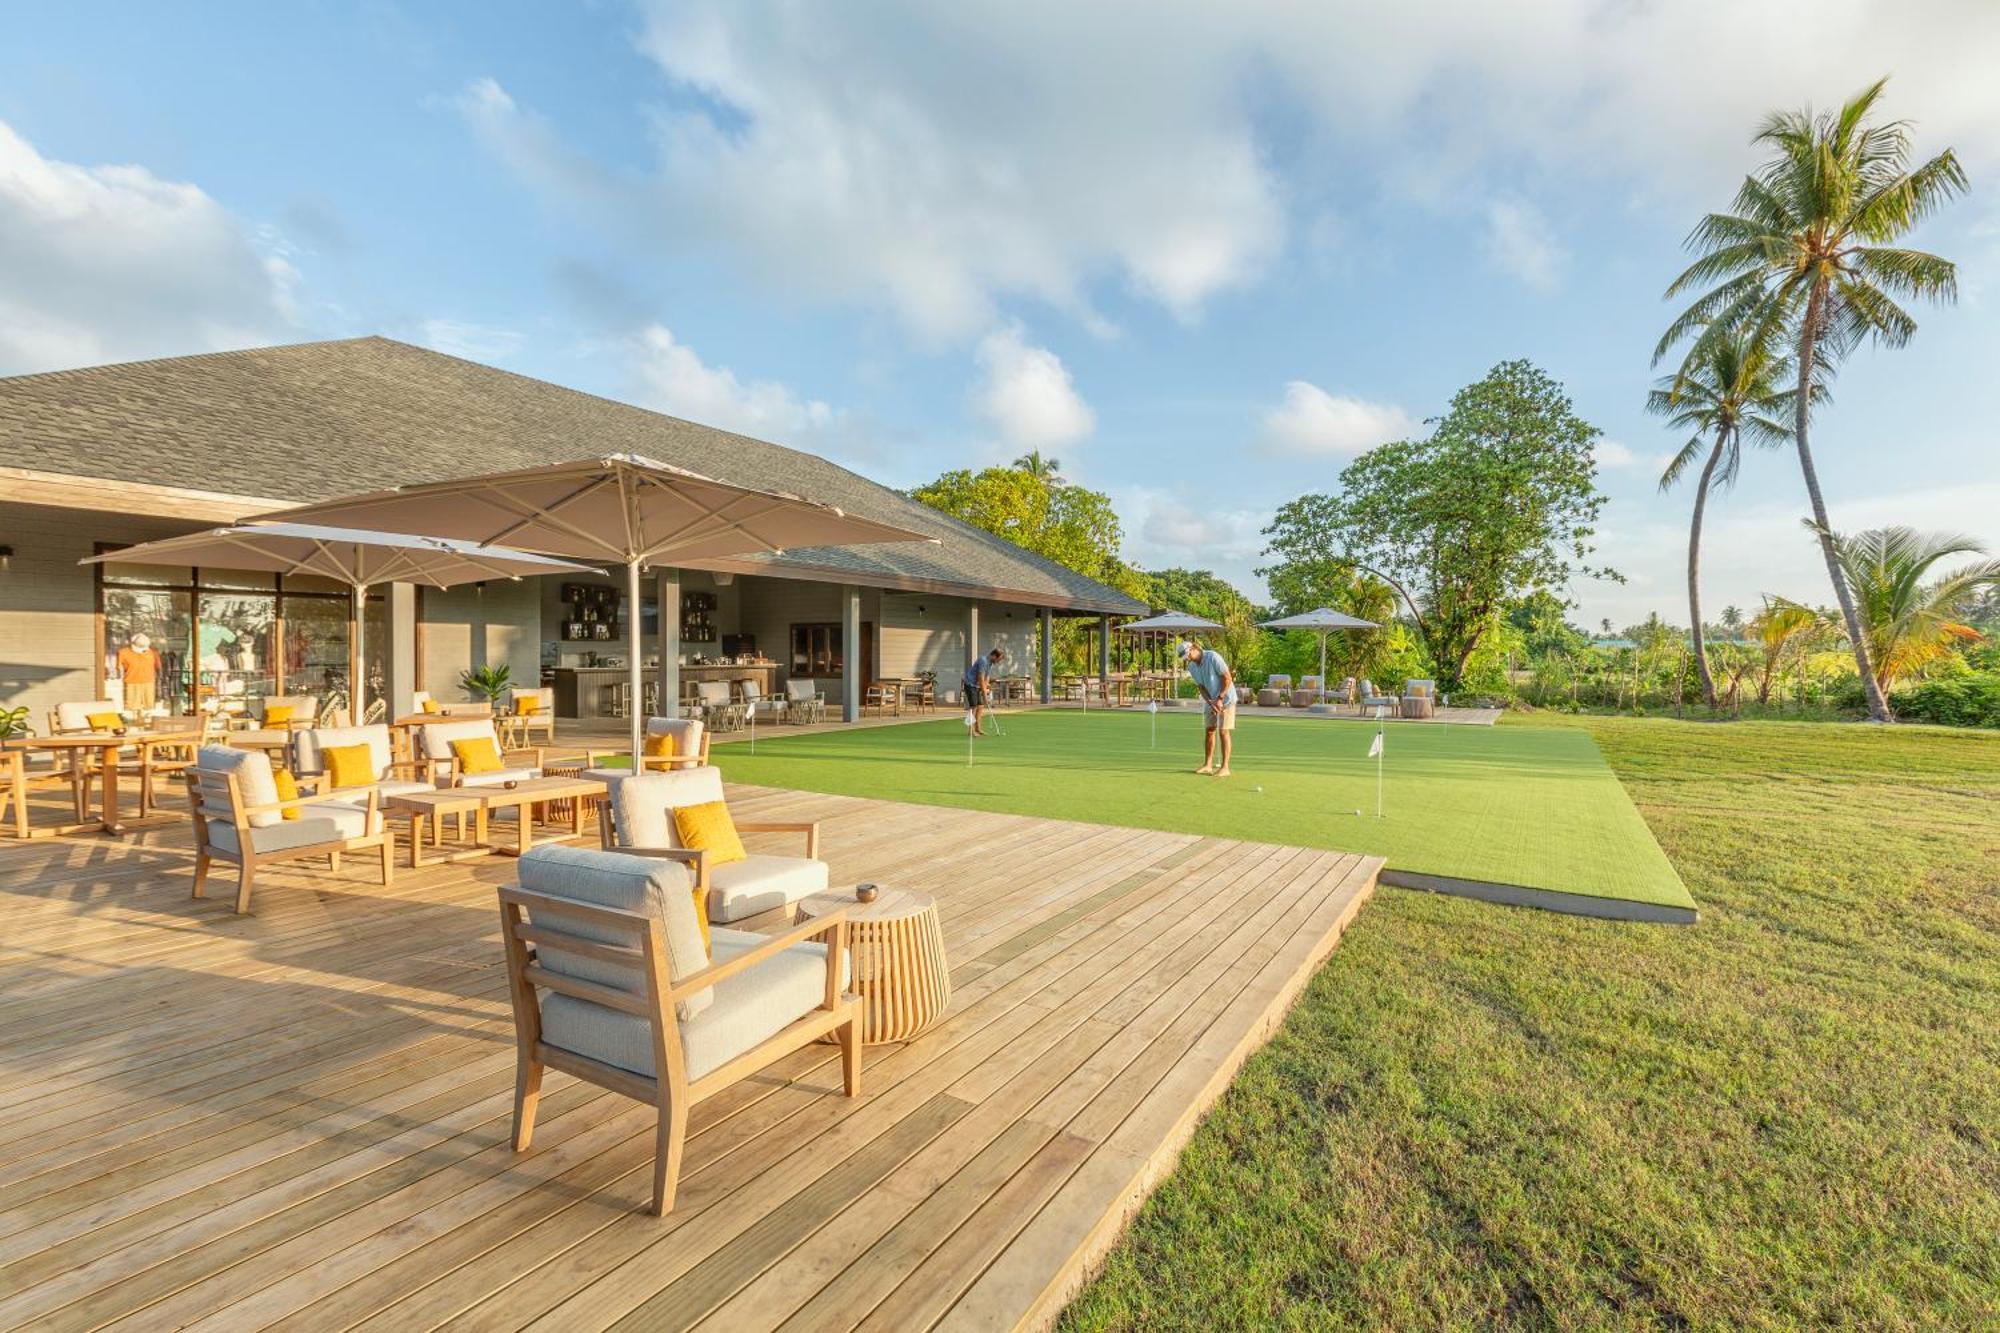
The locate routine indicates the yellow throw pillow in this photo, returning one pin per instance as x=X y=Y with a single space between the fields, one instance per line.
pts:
x=349 y=765
x=432 y=706
x=527 y=705
x=660 y=745
x=478 y=755
x=709 y=827
x=701 y=916
x=104 y=721
x=277 y=715
x=288 y=789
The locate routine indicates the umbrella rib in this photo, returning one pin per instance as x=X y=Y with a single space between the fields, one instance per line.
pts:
x=715 y=519
x=529 y=513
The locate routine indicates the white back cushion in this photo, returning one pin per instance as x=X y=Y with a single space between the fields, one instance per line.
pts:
x=686 y=732
x=712 y=691
x=660 y=889
x=305 y=707
x=76 y=716
x=546 y=695
x=312 y=744
x=253 y=778
x=642 y=806
x=435 y=738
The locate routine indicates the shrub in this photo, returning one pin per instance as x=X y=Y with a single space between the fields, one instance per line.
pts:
x=1963 y=701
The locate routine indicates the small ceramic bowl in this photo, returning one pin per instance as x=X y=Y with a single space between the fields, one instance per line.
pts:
x=867 y=893
x=511 y=783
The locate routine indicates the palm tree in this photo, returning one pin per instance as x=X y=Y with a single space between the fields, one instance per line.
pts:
x=1043 y=469
x=1808 y=253
x=1779 y=628
x=1911 y=623
x=1733 y=388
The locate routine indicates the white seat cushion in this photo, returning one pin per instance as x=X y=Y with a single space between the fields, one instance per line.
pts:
x=498 y=776
x=642 y=806
x=650 y=886
x=759 y=883
x=328 y=821
x=752 y=1006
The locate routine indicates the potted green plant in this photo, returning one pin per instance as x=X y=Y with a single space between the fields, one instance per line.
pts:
x=14 y=722
x=487 y=682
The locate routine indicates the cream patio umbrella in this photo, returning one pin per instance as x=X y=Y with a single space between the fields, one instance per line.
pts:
x=620 y=508
x=359 y=559
x=1168 y=622
x=1323 y=622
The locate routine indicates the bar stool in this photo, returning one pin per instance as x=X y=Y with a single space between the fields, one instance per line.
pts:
x=619 y=701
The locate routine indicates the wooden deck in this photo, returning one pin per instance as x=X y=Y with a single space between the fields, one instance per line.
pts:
x=300 y=1119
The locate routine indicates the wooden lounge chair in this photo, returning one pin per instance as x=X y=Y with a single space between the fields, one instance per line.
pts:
x=803 y=703
x=239 y=818
x=642 y=819
x=530 y=712
x=690 y=744
x=611 y=984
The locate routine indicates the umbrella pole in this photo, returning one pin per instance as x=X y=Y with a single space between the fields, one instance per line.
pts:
x=1322 y=662
x=634 y=705
x=357 y=687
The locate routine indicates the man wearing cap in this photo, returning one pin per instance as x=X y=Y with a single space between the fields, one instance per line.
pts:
x=1212 y=677
x=139 y=668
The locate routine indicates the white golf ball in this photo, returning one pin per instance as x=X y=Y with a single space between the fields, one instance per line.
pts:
x=1256 y=789
x=1357 y=814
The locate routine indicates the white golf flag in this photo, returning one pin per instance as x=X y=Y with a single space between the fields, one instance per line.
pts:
x=1375 y=747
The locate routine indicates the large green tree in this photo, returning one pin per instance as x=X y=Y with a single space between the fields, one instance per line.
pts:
x=1809 y=254
x=1732 y=389
x=1498 y=503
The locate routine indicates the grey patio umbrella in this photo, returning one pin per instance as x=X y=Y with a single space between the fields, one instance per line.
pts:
x=1323 y=622
x=1168 y=622
x=357 y=558
x=620 y=508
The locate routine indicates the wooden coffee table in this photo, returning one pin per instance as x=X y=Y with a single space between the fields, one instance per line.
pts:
x=896 y=951
x=480 y=803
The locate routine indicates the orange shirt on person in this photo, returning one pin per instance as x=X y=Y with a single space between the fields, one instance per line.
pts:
x=137 y=668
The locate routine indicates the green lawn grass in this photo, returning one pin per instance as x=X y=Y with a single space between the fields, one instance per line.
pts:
x=1527 y=805
x=1786 y=1116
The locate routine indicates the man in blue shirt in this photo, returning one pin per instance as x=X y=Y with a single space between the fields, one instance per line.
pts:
x=979 y=688
x=1212 y=677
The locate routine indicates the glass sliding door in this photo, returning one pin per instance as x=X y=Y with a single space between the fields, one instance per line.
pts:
x=236 y=647
x=163 y=615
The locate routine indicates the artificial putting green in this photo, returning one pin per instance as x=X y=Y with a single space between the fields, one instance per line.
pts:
x=1516 y=805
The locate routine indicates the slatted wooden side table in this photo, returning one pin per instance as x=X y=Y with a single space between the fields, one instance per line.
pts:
x=896 y=951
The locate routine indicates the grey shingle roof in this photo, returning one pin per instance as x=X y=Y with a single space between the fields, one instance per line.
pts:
x=316 y=420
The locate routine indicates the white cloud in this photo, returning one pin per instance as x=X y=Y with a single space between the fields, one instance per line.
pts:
x=112 y=263
x=1165 y=528
x=947 y=161
x=673 y=379
x=1520 y=240
x=1611 y=453
x=474 y=342
x=1026 y=392
x=1311 y=422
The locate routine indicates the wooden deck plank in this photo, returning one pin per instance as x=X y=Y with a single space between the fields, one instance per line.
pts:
x=299 y=1119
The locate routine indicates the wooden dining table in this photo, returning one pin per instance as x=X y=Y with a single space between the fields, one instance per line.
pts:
x=79 y=746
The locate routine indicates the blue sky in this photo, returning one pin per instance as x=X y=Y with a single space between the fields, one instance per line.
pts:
x=1201 y=254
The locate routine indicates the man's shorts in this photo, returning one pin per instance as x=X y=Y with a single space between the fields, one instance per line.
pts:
x=1226 y=720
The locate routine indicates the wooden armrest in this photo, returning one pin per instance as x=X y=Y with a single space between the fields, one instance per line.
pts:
x=694 y=856
x=810 y=829
x=412 y=767
x=777 y=944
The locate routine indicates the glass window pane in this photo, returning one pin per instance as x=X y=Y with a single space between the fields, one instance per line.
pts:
x=237 y=578
x=315 y=646
x=163 y=618
x=234 y=653
x=125 y=571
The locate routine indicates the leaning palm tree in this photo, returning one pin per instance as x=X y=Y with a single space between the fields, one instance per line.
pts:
x=1732 y=389
x=1042 y=469
x=1910 y=622
x=1783 y=628
x=1809 y=253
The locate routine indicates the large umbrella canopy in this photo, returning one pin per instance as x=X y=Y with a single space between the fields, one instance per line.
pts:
x=1322 y=621
x=618 y=507
x=354 y=557
x=1168 y=622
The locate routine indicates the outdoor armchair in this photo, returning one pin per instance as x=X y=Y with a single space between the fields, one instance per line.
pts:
x=718 y=710
x=642 y=819
x=611 y=984
x=392 y=777
x=304 y=710
x=441 y=762
x=690 y=744
x=69 y=719
x=539 y=719
x=1308 y=691
x=1277 y=691
x=238 y=818
x=803 y=702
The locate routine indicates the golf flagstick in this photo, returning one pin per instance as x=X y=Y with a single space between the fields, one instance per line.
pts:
x=1153 y=708
x=970 y=718
x=1375 y=753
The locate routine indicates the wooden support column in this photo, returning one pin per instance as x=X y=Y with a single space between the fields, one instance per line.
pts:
x=850 y=652
x=401 y=650
x=667 y=592
x=973 y=647
x=1103 y=652
x=1048 y=660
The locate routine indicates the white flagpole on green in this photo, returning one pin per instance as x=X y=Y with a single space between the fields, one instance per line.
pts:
x=1375 y=753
